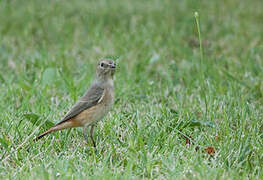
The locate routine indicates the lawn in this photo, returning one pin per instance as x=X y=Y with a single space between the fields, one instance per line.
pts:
x=173 y=102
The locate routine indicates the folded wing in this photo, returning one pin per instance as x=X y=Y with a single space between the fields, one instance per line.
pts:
x=90 y=99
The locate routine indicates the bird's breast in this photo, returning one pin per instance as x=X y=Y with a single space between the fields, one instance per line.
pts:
x=97 y=112
x=107 y=100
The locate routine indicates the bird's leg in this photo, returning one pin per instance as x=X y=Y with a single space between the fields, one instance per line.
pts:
x=85 y=132
x=91 y=135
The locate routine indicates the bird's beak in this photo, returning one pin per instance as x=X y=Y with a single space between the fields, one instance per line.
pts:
x=113 y=66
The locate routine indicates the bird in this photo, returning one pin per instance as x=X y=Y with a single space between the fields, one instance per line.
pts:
x=93 y=105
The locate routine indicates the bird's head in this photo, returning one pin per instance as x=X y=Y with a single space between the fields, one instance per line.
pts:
x=106 y=69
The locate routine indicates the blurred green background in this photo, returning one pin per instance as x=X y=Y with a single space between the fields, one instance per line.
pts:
x=164 y=91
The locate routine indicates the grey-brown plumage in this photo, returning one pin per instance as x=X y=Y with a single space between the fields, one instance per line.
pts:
x=90 y=99
x=94 y=105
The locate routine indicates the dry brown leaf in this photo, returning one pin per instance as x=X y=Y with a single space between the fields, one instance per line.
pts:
x=210 y=150
x=188 y=141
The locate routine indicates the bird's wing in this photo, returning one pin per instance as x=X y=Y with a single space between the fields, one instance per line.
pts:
x=91 y=98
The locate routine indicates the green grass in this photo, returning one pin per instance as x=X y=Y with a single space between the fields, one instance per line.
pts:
x=48 y=53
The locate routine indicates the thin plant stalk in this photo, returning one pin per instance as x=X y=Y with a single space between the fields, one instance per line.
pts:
x=203 y=88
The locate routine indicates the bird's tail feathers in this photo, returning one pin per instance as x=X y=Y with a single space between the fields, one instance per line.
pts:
x=59 y=126
x=45 y=133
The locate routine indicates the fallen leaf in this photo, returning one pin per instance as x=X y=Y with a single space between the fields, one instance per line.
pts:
x=210 y=150
x=188 y=141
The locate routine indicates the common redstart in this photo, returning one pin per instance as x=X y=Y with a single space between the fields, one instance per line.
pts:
x=94 y=105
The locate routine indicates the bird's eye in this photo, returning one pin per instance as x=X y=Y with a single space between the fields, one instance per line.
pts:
x=101 y=64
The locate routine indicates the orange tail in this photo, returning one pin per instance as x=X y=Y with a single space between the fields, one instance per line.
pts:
x=59 y=126
x=43 y=134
